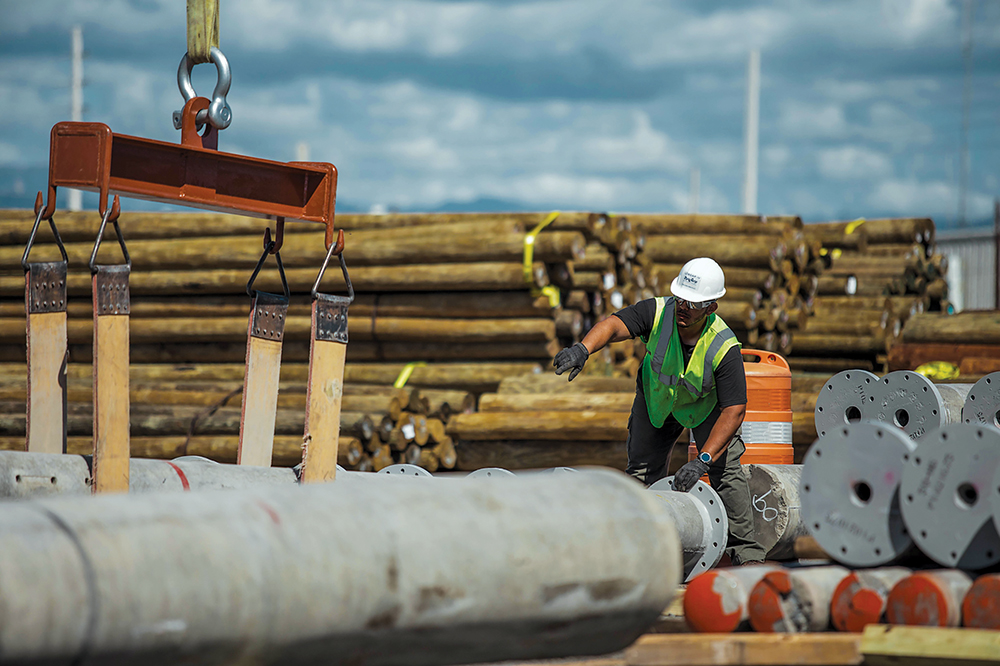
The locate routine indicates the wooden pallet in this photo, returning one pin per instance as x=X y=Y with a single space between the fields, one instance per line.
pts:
x=879 y=645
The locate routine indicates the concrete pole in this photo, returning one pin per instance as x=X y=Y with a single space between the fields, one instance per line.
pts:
x=929 y=598
x=774 y=495
x=861 y=598
x=32 y=475
x=701 y=524
x=716 y=601
x=391 y=571
x=981 y=606
x=794 y=600
x=74 y=198
x=751 y=137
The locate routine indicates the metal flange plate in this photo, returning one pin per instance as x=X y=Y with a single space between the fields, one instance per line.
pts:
x=945 y=492
x=850 y=493
x=715 y=530
x=910 y=402
x=405 y=469
x=490 y=472
x=982 y=405
x=847 y=397
x=995 y=494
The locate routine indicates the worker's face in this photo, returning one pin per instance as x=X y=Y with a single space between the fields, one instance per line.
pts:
x=690 y=318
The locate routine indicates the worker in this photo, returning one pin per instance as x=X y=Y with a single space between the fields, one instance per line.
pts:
x=691 y=377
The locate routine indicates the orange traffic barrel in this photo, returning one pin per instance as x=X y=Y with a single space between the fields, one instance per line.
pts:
x=929 y=598
x=981 y=606
x=767 y=427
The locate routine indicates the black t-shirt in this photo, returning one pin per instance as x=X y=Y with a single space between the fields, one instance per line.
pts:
x=730 y=378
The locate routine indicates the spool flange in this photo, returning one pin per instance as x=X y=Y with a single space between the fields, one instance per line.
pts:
x=847 y=397
x=701 y=523
x=945 y=495
x=850 y=493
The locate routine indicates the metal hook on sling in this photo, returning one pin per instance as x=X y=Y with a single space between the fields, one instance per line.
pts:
x=39 y=215
x=270 y=247
x=110 y=215
x=336 y=248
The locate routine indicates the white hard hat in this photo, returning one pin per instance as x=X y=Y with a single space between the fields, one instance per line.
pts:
x=700 y=280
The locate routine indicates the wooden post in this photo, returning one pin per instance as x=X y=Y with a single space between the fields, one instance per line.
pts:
x=327 y=352
x=260 y=384
x=111 y=398
x=110 y=289
x=45 y=301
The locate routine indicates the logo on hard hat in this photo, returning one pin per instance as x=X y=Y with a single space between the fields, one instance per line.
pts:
x=689 y=280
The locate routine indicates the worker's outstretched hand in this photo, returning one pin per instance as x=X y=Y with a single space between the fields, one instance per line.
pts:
x=572 y=357
x=688 y=475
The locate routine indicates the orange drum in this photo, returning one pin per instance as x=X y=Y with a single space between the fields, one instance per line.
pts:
x=767 y=428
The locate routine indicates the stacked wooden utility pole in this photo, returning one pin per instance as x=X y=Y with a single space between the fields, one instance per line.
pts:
x=875 y=275
x=969 y=340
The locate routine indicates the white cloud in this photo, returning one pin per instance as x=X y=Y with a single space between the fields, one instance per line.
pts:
x=643 y=148
x=890 y=124
x=9 y=154
x=916 y=90
x=776 y=157
x=424 y=152
x=913 y=20
x=807 y=120
x=934 y=198
x=853 y=162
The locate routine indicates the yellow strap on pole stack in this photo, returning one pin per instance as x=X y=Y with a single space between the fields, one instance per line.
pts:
x=404 y=374
x=529 y=254
x=202 y=29
x=850 y=229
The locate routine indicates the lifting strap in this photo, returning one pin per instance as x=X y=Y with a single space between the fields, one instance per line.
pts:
x=45 y=306
x=111 y=359
x=265 y=333
x=202 y=29
x=325 y=390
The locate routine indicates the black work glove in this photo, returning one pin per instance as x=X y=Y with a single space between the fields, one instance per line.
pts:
x=688 y=475
x=571 y=357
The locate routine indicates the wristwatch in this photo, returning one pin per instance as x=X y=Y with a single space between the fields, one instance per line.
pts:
x=705 y=458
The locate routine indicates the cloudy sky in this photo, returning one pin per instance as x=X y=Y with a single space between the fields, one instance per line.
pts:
x=572 y=104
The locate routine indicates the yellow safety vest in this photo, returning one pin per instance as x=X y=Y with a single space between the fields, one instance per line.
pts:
x=671 y=388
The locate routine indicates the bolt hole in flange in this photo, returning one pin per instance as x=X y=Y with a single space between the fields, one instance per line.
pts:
x=862 y=493
x=996 y=419
x=901 y=418
x=966 y=495
x=852 y=414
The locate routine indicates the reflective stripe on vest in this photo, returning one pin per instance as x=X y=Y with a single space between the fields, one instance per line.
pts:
x=666 y=312
x=767 y=432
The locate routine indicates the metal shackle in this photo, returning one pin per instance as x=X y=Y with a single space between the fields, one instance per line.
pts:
x=219 y=115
